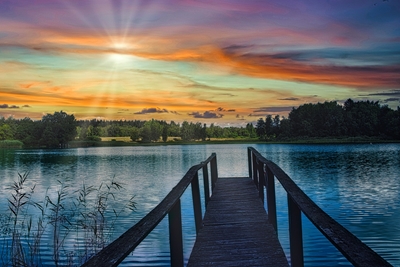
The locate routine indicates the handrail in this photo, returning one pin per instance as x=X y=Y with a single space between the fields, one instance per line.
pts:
x=263 y=171
x=119 y=249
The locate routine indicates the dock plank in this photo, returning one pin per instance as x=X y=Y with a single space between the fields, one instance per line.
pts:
x=236 y=231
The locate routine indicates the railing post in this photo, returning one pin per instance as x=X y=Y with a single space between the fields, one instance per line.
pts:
x=296 y=234
x=196 y=202
x=261 y=179
x=175 y=235
x=254 y=169
x=271 y=199
x=214 y=171
x=206 y=185
x=249 y=161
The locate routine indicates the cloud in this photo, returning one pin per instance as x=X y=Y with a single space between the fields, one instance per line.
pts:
x=206 y=115
x=273 y=109
x=290 y=98
x=258 y=115
x=220 y=109
x=240 y=117
x=6 y=106
x=392 y=99
x=391 y=93
x=337 y=67
x=152 y=110
x=314 y=71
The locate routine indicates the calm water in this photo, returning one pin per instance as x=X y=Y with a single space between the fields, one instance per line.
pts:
x=358 y=185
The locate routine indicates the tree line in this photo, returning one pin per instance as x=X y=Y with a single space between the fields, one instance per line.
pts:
x=330 y=119
x=56 y=130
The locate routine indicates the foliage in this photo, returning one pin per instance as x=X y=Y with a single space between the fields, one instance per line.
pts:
x=11 y=144
x=57 y=129
x=329 y=119
x=93 y=138
x=151 y=131
x=5 y=132
x=134 y=133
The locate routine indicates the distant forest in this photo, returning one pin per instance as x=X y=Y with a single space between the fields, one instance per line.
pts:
x=363 y=119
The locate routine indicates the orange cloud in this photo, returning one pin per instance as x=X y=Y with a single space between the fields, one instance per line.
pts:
x=270 y=67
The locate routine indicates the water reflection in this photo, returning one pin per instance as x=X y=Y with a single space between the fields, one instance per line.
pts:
x=358 y=185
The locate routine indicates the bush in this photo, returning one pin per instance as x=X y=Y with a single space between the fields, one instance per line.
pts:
x=93 y=138
x=11 y=144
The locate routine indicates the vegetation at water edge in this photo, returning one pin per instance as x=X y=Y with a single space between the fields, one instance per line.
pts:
x=79 y=223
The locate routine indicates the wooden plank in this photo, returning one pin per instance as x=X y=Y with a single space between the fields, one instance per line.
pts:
x=236 y=231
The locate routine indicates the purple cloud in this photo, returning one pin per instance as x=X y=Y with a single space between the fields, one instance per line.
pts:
x=206 y=115
x=5 y=106
x=152 y=110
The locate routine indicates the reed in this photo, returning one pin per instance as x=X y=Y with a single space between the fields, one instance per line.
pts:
x=81 y=222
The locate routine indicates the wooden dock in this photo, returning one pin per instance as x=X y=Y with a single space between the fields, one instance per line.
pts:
x=236 y=231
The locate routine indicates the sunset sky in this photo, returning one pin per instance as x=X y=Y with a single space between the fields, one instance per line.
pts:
x=227 y=62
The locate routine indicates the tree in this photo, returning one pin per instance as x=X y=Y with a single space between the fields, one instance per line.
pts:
x=260 y=129
x=174 y=129
x=58 y=129
x=186 y=131
x=135 y=133
x=204 y=132
x=114 y=130
x=5 y=132
x=151 y=131
x=362 y=118
x=164 y=134
x=269 y=130
x=251 y=131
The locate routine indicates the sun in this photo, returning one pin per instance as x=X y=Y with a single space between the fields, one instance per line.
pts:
x=119 y=53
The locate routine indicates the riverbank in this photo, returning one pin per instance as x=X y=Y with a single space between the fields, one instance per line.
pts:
x=125 y=141
x=343 y=140
x=116 y=142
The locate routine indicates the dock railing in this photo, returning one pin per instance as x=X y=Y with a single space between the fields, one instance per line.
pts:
x=263 y=172
x=119 y=249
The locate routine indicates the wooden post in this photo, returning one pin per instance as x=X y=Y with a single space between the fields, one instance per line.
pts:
x=214 y=171
x=255 y=169
x=249 y=161
x=295 y=234
x=206 y=185
x=175 y=235
x=196 y=202
x=271 y=199
x=261 y=179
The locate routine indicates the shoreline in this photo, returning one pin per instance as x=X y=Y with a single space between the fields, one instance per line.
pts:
x=352 y=140
x=304 y=141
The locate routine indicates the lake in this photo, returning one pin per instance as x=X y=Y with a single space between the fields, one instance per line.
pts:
x=358 y=185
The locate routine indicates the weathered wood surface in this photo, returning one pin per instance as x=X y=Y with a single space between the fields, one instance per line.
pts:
x=236 y=231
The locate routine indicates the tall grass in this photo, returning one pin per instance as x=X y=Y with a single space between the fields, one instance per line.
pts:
x=80 y=222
